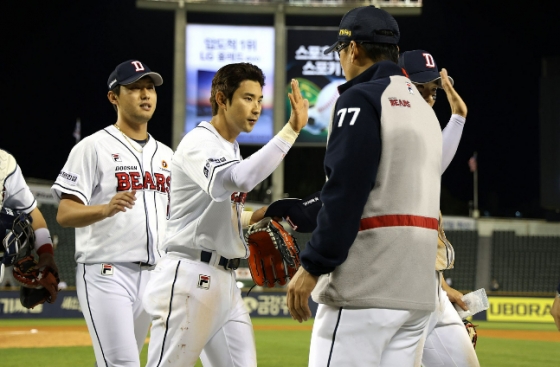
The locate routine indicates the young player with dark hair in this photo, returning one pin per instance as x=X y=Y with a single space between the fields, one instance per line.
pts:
x=192 y=296
x=114 y=190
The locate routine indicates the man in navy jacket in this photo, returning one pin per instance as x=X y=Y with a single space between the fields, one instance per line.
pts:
x=370 y=261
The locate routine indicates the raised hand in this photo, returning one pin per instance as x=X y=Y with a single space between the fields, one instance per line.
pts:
x=300 y=108
x=457 y=104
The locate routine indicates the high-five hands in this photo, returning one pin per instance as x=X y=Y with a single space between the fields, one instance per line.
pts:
x=300 y=108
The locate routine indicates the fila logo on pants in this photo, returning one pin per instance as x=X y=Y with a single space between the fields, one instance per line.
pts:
x=106 y=269
x=203 y=281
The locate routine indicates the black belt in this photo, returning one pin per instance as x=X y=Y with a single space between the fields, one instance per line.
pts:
x=142 y=263
x=228 y=264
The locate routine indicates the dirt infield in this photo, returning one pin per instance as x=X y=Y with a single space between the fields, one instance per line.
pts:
x=73 y=336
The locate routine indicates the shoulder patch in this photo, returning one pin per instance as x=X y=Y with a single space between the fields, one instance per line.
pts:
x=69 y=177
x=410 y=88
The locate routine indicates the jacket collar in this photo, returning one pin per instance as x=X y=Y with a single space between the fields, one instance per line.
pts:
x=379 y=70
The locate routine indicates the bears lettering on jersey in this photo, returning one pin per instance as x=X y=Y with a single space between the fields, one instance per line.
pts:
x=133 y=180
x=399 y=102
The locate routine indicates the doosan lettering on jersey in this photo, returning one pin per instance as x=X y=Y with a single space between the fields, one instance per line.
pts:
x=116 y=240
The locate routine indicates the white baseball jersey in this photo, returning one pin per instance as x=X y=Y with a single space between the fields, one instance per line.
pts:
x=195 y=302
x=201 y=204
x=15 y=192
x=98 y=167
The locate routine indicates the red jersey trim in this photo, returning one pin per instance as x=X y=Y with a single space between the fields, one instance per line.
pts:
x=398 y=220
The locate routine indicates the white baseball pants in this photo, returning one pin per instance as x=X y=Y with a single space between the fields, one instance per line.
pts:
x=447 y=342
x=367 y=337
x=111 y=300
x=194 y=307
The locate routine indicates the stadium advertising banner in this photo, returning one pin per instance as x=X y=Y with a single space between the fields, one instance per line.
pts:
x=258 y=304
x=319 y=76
x=209 y=47
x=519 y=309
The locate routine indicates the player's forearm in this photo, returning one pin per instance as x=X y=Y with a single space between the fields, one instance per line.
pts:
x=43 y=240
x=443 y=283
x=451 y=136
x=73 y=214
x=245 y=175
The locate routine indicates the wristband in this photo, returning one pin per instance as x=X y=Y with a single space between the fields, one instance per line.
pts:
x=246 y=218
x=43 y=241
x=288 y=134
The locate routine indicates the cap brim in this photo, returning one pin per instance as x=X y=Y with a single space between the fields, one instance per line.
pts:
x=330 y=49
x=424 y=77
x=158 y=80
x=280 y=208
x=438 y=81
x=427 y=77
x=450 y=79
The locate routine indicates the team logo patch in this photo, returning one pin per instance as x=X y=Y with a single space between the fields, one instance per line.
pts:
x=164 y=164
x=106 y=269
x=344 y=32
x=116 y=157
x=409 y=86
x=203 y=281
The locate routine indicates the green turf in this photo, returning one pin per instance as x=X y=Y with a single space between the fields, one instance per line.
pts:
x=514 y=326
x=496 y=352
x=287 y=347
x=42 y=322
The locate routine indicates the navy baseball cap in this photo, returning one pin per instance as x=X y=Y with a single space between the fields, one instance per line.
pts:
x=363 y=24
x=301 y=214
x=421 y=67
x=130 y=71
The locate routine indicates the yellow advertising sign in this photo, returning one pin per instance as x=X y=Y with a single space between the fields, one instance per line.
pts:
x=519 y=309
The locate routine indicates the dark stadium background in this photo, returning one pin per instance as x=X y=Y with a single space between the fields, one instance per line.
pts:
x=56 y=57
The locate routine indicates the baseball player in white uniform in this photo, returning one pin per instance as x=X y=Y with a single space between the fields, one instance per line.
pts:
x=16 y=197
x=447 y=342
x=114 y=190
x=192 y=296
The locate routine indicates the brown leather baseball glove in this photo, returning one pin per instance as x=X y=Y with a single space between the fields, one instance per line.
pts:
x=37 y=285
x=471 y=330
x=274 y=253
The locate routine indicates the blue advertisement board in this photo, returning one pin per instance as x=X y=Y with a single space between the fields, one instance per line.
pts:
x=258 y=304
x=208 y=48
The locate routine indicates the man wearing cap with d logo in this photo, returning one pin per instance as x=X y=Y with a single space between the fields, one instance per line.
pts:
x=370 y=261
x=114 y=190
x=447 y=343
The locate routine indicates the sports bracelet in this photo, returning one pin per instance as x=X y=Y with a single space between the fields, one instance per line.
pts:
x=42 y=239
